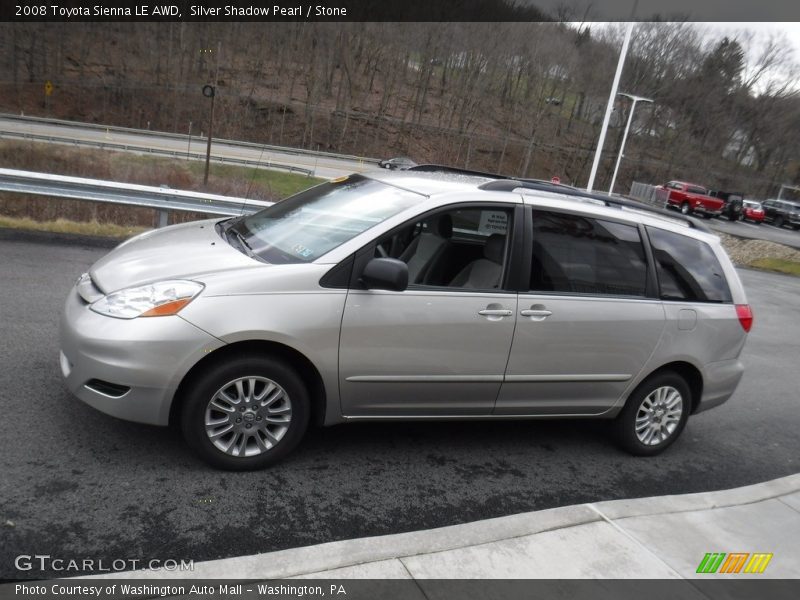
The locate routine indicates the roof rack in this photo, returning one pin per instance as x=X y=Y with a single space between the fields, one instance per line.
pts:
x=506 y=183
x=445 y=169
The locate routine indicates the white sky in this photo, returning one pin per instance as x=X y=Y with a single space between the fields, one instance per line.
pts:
x=761 y=34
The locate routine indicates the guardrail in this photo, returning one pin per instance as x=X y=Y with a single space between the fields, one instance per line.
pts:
x=267 y=164
x=185 y=137
x=163 y=199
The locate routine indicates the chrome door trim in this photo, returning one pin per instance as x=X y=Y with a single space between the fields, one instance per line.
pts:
x=425 y=378
x=567 y=377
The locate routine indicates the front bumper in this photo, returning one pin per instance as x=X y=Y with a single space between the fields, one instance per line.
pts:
x=148 y=355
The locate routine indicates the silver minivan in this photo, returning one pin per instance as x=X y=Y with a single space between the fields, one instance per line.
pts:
x=424 y=294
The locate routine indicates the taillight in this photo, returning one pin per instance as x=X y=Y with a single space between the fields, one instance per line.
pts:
x=745 y=316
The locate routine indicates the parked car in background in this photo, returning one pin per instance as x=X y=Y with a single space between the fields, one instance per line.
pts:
x=782 y=212
x=427 y=294
x=732 y=209
x=399 y=163
x=752 y=211
x=690 y=199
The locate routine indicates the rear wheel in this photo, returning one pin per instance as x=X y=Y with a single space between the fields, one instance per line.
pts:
x=245 y=413
x=654 y=415
x=685 y=208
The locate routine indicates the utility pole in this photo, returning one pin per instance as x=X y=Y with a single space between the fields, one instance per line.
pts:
x=210 y=91
x=634 y=100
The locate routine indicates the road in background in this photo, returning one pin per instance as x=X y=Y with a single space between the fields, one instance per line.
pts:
x=322 y=166
x=787 y=237
x=78 y=483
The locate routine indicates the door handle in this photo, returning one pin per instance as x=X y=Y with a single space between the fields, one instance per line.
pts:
x=537 y=312
x=495 y=312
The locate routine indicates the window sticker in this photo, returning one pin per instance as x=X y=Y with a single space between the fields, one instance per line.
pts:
x=493 y=222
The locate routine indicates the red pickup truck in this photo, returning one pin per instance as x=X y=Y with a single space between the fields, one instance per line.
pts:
x=689 y=198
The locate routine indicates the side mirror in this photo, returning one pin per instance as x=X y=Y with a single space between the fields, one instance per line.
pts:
x=385 y=274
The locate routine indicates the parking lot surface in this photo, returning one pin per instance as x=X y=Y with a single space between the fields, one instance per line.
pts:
x=78 y=484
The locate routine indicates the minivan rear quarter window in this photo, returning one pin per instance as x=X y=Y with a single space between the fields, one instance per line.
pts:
x=687 y=268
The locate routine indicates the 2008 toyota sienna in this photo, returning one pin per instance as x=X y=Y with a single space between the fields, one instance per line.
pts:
x=425 y=294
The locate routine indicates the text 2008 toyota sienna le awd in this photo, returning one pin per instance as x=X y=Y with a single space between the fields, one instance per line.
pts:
x=425 y=294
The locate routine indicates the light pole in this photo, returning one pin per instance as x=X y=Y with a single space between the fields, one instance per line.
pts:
x=634 y=100
x=209 y=91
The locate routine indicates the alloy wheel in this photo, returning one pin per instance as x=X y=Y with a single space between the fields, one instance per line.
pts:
x=248 y=416
x=659 y=415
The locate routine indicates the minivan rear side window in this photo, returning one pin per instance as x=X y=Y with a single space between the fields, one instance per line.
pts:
x=687 y=268
x=582 y=255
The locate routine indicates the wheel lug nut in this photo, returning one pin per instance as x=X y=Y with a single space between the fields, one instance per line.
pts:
x=248 y=426
x=238 y=420
x=258 y=418
x=242 y=409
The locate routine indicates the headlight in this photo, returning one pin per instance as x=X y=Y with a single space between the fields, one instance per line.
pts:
x=154 y=300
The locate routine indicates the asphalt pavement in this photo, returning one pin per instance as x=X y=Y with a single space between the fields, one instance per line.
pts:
x=779 y=235
x=78 y=484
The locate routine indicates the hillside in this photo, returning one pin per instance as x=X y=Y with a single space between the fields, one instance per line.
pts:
x=519 y=98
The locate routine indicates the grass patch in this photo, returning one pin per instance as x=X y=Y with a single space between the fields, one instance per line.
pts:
x=230 y=179
x=778 y=265
x=282 y=184
x=65 y=226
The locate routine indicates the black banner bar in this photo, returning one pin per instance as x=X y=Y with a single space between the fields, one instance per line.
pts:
x=406 y=589
x=397 y=10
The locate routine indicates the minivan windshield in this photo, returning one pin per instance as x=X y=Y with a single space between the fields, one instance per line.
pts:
x=309 y=224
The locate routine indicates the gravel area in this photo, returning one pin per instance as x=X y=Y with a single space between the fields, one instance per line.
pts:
x=743 y=251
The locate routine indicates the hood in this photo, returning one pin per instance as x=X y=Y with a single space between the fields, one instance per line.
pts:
x=178 y=252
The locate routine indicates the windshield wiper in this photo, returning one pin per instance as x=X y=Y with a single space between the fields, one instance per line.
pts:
x=242 y=241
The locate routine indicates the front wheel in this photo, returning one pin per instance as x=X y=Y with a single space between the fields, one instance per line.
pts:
x=654 y=415
x=685 y=209
x=778 y=222
x=245 y=413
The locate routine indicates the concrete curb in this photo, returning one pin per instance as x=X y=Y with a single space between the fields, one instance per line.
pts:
x=351 y=553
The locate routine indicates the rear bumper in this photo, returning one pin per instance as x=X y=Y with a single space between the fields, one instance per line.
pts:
x=699 y=208
x=150 y=356
x=720 y=380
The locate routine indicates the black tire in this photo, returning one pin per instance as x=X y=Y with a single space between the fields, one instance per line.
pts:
x=686 y=209
x=707 y=216
x=778 y=222
x=625 y=423
x=205 y=387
